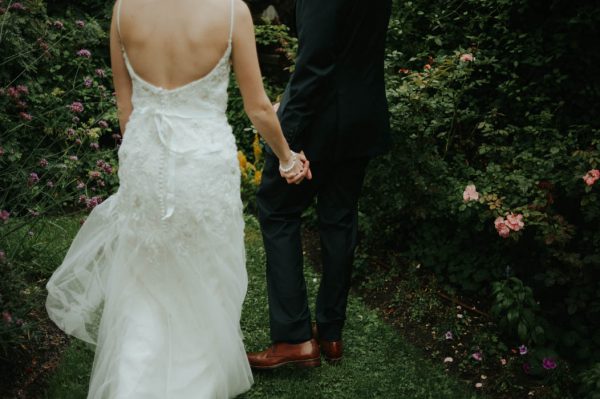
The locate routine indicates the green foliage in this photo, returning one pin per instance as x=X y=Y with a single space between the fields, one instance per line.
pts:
x=485 y=93
x=590 y=383
x=33 y=250
x=517 y=310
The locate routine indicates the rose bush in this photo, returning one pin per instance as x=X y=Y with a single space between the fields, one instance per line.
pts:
x=493 y=174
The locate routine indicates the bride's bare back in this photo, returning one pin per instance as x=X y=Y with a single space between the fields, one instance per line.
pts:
x=171 y=43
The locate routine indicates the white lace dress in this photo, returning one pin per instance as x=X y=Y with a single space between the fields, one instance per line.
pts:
x=156 y=276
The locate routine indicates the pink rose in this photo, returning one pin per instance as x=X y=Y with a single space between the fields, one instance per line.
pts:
x=514 y=222
x=467 y=57
x=501 y=227
x=470 y=193
x=591 y=176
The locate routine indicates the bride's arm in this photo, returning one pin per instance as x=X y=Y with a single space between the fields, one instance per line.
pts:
x=256 y=102
x=121 y=78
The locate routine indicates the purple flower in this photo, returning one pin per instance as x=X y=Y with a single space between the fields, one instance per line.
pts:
x=80 y=185
x=33 y=178
x=84 y=53
x=100 y=163
x=548 y=363
x=7 y=317
x=13 y=92
x=107 y=169
x=94 y=146
x=70 y=132
x=82 y=199
x=527 y=368
x=43 y=162
x=94 y=174
x=50 y=184
x=523 y=350
x=100 y=73
x=103 y=124
x=25 y=116
x=22 y=89
x=76 y=107
x=87 y=82
x=477 y=356
x=93 y=202
x=448 y=335
x=58 y=24
x=16 y=6
x=4 y=215
x=79 y=23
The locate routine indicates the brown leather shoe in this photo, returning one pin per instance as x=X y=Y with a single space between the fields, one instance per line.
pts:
x=332 y=350
x=305 y=354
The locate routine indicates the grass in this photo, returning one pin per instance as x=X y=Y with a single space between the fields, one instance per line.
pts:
x=378 y=362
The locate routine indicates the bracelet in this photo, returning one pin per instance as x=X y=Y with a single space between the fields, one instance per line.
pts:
x=291 y=165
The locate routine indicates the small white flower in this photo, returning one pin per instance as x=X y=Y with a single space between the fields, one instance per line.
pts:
x=448 y=360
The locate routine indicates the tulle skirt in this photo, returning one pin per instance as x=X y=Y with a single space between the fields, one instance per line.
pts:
x=160 y=297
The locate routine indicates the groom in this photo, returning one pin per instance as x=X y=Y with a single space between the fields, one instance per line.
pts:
x=335 y=110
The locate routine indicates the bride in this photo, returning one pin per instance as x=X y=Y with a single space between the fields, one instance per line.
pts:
x=156 y=276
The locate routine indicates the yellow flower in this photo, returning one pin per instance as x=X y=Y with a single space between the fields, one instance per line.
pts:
x=257 y=177
x=256 y=148
x=57 y=92
x=243 y=161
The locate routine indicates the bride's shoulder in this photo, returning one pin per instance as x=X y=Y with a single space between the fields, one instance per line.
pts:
x=241 y=9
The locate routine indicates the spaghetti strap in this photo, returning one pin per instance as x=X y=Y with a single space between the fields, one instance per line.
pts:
x=232 y=6
x=119 y=20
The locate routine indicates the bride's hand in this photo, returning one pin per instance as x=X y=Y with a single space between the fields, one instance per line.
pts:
x=296 y=170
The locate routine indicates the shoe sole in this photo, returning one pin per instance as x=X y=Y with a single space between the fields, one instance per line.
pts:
x=308 y=363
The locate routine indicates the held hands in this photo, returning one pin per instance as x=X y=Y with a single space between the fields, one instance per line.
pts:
x=296 y=169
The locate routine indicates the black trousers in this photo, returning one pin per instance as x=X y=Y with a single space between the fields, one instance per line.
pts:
x=280 y=206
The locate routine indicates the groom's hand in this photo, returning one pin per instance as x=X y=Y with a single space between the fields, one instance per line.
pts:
x=305 y=165
x=300 y=171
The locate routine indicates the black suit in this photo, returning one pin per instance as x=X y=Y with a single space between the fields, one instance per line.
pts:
x=335 y=110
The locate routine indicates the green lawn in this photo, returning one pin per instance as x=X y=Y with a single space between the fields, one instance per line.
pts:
x=378 y=363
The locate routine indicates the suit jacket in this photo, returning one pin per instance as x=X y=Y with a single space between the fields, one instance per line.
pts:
x=334 y=106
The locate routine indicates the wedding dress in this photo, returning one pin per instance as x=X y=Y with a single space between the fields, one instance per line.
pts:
x=156 y=276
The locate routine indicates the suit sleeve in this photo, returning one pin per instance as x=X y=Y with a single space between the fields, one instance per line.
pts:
x=312 y=78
